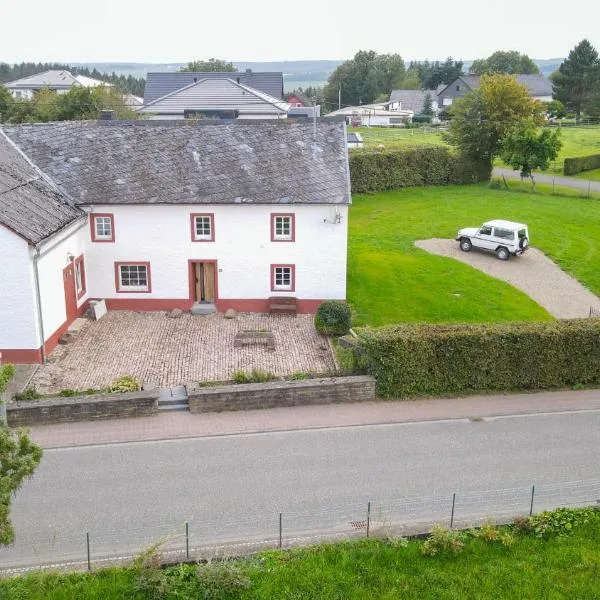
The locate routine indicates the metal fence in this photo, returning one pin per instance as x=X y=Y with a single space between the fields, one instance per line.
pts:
x=201 y=536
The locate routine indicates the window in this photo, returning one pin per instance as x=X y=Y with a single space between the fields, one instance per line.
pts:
x=283 y=227
x=485 y=230
x=80 y=277
x=18 y=94
x=203 y=227
x=283 y=278
x=103 y=227
x=504 y=234
x=133 y=277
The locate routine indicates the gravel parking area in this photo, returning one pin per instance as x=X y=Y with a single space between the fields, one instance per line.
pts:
x=533 y=273
x=170 y=352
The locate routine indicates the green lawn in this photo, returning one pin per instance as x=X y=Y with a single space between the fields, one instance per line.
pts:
x=565 y=568
x=391 y=281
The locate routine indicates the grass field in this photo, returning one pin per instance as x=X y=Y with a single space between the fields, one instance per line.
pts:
x=577 y=141
x=391 y=281
x=560 y=568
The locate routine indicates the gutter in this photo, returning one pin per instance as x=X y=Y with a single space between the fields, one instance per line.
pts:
x=38 y=303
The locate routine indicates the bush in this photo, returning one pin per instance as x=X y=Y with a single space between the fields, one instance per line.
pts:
x=560 y=521
x=221 y=581
x=412 y=360
x=7 y=372
x=441 y=539
x=420 y=118
x=28 y=394
x=67 y=393
x=126 y=383
x=255 y=376
x=333 y=318
x=408 y=167
x=572 y=166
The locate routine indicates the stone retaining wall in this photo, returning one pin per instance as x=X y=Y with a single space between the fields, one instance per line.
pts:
x=82 y=408
x=247 y=396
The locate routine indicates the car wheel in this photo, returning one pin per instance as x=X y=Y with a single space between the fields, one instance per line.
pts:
x=502 y=253
x=465 y=244
x=524 y=243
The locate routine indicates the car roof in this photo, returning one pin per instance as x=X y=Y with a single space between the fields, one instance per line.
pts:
x=505 y=224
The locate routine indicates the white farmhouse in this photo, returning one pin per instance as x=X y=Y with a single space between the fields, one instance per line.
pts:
x=57 y=81
x=156 y=216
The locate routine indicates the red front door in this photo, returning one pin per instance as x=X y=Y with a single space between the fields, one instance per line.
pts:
x=70 y=297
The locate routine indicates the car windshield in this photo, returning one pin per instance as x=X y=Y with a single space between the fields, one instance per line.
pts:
x=485 y=230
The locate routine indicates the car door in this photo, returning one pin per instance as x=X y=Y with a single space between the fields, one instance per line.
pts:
x=484 y=239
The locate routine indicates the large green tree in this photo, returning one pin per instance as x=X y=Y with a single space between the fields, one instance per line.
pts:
x=19 y=457
x=363 y=78
x=511 y=63
x=482 y=118
x=577 y=82
x=212 y=65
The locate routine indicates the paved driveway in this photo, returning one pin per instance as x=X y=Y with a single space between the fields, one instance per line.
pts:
x=169 y=352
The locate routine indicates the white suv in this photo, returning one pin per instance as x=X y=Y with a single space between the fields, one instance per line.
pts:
x=502 y=237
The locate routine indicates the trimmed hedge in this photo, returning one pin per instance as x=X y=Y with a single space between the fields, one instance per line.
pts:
x=572 y=166
x=333 y=317
x=376 y=171
x=414 y=360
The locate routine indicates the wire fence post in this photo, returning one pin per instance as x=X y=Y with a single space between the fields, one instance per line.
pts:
x=87 y=541
x=187 y=541
x=553 y=180
x=368 y=518
x=532 y=496
x=452 y=514
x=280 y=546
x=589 y=188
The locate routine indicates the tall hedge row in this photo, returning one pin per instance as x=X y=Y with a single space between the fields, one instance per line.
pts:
x=414 y=360
x=408 y=167
x=572 y=166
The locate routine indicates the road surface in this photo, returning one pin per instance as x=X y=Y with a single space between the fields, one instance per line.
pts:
x=231 y=488
x=572 y=182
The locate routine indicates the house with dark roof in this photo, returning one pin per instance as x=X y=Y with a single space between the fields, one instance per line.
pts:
x=151 y=215
x=539 y=87
x=413 y=100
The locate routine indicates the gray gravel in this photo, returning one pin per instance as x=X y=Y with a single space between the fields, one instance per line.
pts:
x=533 y=273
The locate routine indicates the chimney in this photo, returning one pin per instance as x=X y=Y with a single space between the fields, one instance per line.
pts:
x=106 y=115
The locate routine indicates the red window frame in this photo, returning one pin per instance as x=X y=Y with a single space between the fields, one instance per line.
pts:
x=80 y=262
x=292 y=278
x=93 y=227
x=193 y=227
x=120 y=264
x=292 y=217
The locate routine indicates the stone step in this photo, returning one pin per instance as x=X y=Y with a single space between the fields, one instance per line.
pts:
x=173 y=399
x=203 y=308
x=173 y=407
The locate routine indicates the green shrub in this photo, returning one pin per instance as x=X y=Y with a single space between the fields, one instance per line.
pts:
x=559 y=522
x=221 y=581
x=299 y=376
x=421 y=118
x=126 y=383
x=375 y=171
x=67 y=393
x=7 y=372
x=255 y=376
x=441 y=539
x=572 y=166
x=413 y=360
x=333 y=317
x=28 y=394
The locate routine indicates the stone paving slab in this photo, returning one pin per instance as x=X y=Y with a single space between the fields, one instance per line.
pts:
x=170 y=352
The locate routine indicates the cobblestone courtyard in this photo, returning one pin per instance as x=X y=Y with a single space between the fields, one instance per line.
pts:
x=170 y=352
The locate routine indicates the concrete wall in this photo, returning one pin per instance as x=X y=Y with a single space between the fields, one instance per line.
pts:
x=242 y=248
x=281 y=393
x=82 y=408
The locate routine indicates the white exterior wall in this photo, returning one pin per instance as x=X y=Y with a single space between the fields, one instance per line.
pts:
x=161 y=235
x=53 y=259
x=18 y=315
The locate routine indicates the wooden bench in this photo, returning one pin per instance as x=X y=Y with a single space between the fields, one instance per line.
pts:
x=283 y=305
x=254 y=337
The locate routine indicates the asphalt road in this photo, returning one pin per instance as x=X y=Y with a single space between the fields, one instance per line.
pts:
x=572 y=182
x=233 y=487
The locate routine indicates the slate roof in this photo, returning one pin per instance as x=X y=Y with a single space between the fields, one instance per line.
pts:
x=30 y=205
x=217 y=94
x=412 y=99
x=175 y=162
x=53 y=79
x=538 y=85
x=161 y=84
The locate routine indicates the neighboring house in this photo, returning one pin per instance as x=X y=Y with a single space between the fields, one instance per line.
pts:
x=308 y=112
x=152 y=216
x=57 y=81
x=539 y=87
x=295 y=101
x=216 y=98
x=354 y=140
x=132 y=101
x=413 y=100
x=367 y=115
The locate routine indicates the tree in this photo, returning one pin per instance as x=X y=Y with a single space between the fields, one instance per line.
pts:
x=434 y=74
x=577 y=82
x=511 y=63
x=212 y=65
x=482 y=118
x=427 y=105
x=555 y=109
x=6 y=102
x=19 y=457
x=526 y=148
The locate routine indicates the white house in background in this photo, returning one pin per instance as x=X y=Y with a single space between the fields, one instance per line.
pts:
x=152 y=216
x=367 y=115
x=414 y=100
x=57 y=81
x=216 y=98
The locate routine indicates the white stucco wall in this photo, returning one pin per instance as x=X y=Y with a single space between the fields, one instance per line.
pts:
x=53 y=259
x=161 y=235
x=18 y=324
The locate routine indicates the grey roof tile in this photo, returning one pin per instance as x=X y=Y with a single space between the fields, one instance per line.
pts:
x=153 y=162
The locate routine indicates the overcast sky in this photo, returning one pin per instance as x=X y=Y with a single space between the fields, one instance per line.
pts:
x=181 y=30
